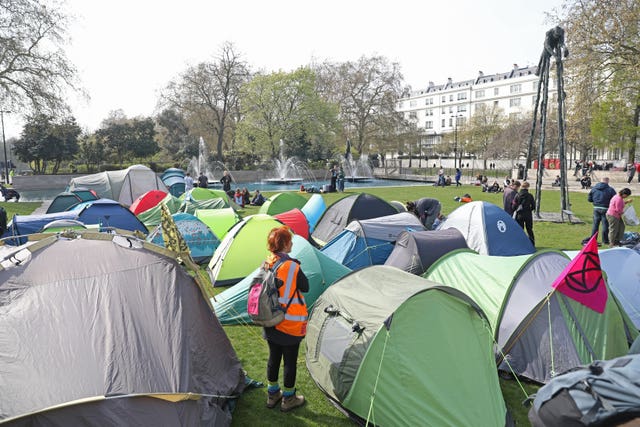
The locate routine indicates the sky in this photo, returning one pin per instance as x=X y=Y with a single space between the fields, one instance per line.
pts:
x=126 y=52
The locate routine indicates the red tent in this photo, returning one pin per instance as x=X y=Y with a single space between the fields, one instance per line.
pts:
x=296 y=220
x=147 y=201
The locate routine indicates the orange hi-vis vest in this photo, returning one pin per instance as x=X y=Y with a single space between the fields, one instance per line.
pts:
x=295 y=319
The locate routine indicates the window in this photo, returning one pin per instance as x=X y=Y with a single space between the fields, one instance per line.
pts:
x=451 y=98
x=495 y=103
x=443 y=110
x=533 y=100
x=462 y=96
x=413 y=115
x=534 y=86
x=479 y=106
x=514 y=102
x=429 y=112
x=462 y=108
x=428 y=101
x=480 y=93
x=444 y=98
x=413 y=103
x=428 y=124
x=496 y=91
x=451 y=109
x=450 y=121
x=400 y=105
x=443 y=123
x=517 y=88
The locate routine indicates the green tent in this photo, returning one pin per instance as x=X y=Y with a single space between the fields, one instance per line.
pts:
x=190 y=205
x=242 y=250
x=151 y=217
x=539 y=333
x=231 y=305
x=282 y=202
x=396 y=349
x=218 y=220
x=198 y=193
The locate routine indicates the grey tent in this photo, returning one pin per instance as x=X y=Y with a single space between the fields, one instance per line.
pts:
x=415 y=251
x=109 y=332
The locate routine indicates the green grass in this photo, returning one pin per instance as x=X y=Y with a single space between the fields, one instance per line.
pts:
x=252 y=349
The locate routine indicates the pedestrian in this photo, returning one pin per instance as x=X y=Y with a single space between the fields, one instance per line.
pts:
x=631 y=171
x=188 y=182
x=614 y=216
x=226 y=181
x=426 y=209
x=284 y=338
x=601 y=195
x=341 y=180
x=458 y=176
x=510 y=193
x=334 y=177
x=203 y=181
x=524 y=204
x=441 y=177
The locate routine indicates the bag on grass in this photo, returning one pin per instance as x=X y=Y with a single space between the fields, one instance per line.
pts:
x=602 y=393
x=263 y=305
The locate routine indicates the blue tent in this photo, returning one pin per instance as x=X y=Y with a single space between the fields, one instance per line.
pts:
x=369 y=242
x=22 y=225
x=108 y=213
x=199 y=238
x=313 y=210
x=622 y=267
x=173 y=178
x=489 y=230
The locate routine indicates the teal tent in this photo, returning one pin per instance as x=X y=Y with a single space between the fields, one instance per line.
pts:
x=231 y=304
x=394 y=349
x=538 y=332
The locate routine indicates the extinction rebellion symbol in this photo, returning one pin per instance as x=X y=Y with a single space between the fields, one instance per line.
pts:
x=589 y=278
x=502 y=227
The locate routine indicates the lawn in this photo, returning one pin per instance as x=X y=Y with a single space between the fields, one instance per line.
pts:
x=252 y=349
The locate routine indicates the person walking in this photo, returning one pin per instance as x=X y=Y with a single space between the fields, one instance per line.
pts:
x=601 y=195
x=426 y=209
x=458 y=176
x=614 y=216
x=284 y=338
x=631 y=171
x=523 y=206
x=510 y=193
x=188 y=182
x=226 y=181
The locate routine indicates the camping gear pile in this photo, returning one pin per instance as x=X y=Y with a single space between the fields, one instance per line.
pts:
x=382 y=290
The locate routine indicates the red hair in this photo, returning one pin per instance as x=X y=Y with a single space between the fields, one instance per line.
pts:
x=279 y=238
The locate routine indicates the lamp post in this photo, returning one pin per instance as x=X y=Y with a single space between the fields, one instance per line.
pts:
x=455 y=141
x=4 y=144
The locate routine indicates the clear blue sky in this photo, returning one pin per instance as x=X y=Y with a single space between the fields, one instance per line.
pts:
x=127 y=51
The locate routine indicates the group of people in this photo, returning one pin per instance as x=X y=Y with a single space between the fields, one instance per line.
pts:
x=520 y=204
x=189 y=182
x=608 y=209
x=337 y=178
x=241 y=197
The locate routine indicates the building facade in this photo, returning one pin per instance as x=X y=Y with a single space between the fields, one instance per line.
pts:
x=440 y=109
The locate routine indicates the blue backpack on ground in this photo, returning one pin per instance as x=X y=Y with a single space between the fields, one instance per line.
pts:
x=602 y=393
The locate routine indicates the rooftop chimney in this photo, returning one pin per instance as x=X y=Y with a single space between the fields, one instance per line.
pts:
x=480 y=73
x=515 y=66
x=431 y=84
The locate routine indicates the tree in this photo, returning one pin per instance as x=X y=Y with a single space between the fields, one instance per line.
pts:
x=175 y=136
x=366 y=91
x=44 y=141
x=131 y=138
x=91 y=152
x=285 y=106
x=208 y=92
x=34 y=70
x=603 y=37
x=483 y=126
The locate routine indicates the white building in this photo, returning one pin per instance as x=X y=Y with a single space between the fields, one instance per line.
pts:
x=435 y=109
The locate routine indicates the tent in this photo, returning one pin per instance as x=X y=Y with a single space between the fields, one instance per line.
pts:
x=489 y=230
x=398 y=350
x=199 y=238
x=296 y=220
x=622 y=267
x=282 y=202
x=341 y=213
x=231 y=304
x=401 y=207
x=242 y=250
x=191 y=205
x=415 y=251
x=23 y=225
x=107 y=332
x=68 y=199
x=152 y=216
x=313 y=210
x=173 y=178
x=218 y=220
x=370 y=241
x=146 y=201
x=538 y=332
x=199 y=193
x=124 y=185
x=108 y=214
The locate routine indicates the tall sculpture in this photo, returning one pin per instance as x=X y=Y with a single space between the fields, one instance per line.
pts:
x=553 y=47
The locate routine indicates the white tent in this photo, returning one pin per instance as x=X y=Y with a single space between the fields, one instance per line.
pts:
x=124 y=185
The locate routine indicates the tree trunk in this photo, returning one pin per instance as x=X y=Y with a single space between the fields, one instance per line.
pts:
x=634 y=136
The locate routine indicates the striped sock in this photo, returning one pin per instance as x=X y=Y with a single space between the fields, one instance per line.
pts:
x=289 y=391
x=273 y=388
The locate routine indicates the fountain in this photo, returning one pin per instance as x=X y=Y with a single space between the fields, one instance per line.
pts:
x=356 y=170
x=289 y=170
x=202 y=164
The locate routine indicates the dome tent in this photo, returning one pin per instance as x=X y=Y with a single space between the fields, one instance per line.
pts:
x=282 y=202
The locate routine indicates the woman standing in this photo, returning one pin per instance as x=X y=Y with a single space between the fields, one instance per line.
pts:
x=284 y=338
x=614 y=216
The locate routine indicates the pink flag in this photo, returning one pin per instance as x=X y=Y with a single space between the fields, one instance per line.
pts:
x=582 y=279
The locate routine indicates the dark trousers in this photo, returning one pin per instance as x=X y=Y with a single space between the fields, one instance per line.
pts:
x=290 y=355
x=600 y=215
x=526 y=222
